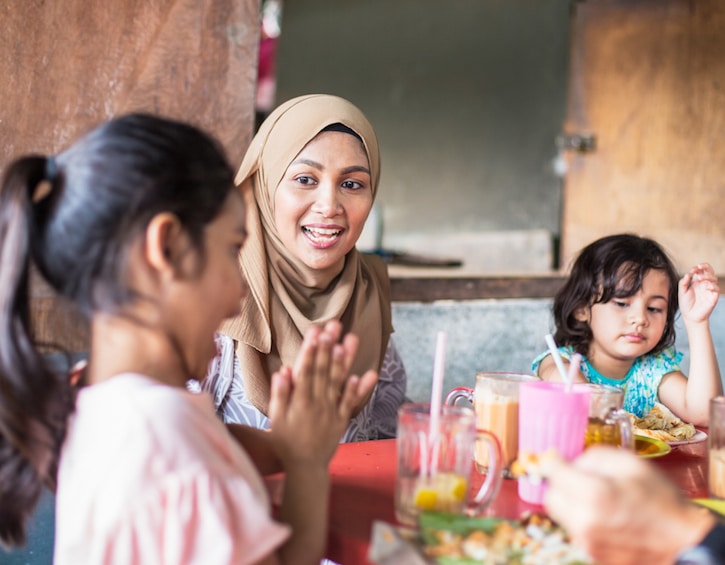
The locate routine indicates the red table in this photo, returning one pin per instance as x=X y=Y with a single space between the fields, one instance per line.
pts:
x=363 y=486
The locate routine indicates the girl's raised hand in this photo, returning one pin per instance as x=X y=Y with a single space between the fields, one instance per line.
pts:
x=698 y=293
x=311 y=405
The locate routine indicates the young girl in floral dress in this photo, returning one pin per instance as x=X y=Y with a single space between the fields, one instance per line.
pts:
x=617 y=309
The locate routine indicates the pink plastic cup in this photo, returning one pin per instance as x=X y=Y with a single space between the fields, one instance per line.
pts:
x=550 y=418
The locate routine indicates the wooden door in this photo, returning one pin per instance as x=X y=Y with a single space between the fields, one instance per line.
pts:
x=647 y=78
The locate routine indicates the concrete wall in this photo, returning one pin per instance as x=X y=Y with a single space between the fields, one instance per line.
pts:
x=467 y=99
x=490 y=335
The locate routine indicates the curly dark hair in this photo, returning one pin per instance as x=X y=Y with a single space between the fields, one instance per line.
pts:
x=611 y=267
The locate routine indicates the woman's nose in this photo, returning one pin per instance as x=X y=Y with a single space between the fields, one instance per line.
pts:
x=327 y=201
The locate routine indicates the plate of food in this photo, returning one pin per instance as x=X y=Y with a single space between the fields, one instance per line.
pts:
x=660 y=423
x=453 y=539
x=697 y=438
x=649 y=447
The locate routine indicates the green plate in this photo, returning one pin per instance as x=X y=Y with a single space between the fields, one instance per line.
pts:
x=712 y=503
x=649 y=447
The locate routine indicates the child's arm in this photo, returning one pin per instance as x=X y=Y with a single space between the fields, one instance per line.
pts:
x=689 y=398
x=257 y=444
x=549 y=372
x=310 y=408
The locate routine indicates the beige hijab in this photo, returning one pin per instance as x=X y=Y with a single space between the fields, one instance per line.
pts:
x=286 y=296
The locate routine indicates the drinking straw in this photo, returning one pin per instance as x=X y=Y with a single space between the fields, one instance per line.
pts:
x=557 y=358
x=423 y=441
x=574 y=363
x=435 y=398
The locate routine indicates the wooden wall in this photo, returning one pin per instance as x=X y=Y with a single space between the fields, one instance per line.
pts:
x=69 y=64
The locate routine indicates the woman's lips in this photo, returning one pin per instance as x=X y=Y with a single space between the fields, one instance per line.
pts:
x=322 y=237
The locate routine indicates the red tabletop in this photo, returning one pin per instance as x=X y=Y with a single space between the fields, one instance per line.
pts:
x=363 y=486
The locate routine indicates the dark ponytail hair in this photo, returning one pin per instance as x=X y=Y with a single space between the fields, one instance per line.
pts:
x=73 y=217
x=611 y=267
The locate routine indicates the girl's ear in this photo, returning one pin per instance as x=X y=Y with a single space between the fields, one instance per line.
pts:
x=165 y=242
x=581 y=314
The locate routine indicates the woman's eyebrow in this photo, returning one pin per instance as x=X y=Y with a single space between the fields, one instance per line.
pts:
x=308 y=162
x=355 y=169
x=319 y=166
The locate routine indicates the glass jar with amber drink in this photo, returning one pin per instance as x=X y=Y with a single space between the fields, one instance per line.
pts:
x=608 y=423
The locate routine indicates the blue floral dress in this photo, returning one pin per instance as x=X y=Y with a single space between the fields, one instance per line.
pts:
x=641 y=383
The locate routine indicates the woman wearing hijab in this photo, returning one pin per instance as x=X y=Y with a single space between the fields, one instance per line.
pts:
x=310 y=177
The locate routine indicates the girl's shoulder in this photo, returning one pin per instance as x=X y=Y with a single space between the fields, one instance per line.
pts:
x=566 y=351
x=666 y=361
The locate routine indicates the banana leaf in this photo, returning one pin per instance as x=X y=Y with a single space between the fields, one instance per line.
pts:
x=431 y=522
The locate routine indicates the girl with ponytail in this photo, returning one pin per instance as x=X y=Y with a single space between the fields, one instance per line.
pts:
x=137 y=223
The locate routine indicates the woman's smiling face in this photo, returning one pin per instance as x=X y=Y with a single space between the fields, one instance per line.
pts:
x=323 y=200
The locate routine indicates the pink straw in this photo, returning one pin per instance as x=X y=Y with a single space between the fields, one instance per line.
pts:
x=435 y=397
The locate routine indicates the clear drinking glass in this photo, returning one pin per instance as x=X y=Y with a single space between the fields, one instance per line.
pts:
x=495 y=401
x=608 y=423
x=435 y=465
x=716 y=448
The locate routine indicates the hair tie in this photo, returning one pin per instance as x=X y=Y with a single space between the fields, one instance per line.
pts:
x=51 y=169
x=45 y=185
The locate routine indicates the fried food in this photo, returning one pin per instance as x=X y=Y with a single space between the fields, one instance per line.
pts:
x=660 y=423
x=532 y=540
x=533 y=466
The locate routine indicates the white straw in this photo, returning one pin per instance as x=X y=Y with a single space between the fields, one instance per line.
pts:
x=574 y=363
x=557 y=358
x=435 y=398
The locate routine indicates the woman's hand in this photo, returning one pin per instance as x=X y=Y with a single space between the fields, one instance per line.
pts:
x=621 y=509
x=311 y=405
x=698 y=293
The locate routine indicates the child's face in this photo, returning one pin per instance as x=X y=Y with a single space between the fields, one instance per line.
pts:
x=321 y=204
x=215 y=292
x=626 y=328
